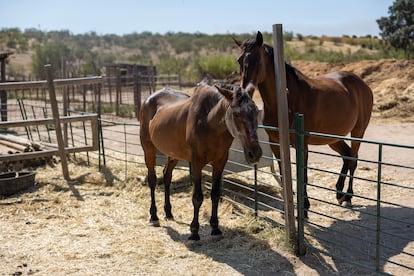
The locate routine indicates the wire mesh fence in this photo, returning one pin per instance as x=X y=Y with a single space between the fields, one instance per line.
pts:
x=376 y=233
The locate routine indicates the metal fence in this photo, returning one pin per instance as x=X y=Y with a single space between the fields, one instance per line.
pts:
x=376 y=234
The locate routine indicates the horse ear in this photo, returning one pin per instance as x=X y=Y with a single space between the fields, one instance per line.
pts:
x=225 y=91
x=238 y=42
x=259 y=38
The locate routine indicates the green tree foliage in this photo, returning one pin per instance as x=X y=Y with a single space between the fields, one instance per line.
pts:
x=192 y=56
x=52 y=53
x=398 y=28
x=217 y=66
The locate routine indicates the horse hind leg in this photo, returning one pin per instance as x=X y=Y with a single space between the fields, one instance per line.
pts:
x=149 y=154
x=345 y=151
x=171 y=163
x=353 y=163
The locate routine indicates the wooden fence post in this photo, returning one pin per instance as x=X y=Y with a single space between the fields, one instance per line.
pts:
x=283 y=122
x=137 y=92
x=56 y=118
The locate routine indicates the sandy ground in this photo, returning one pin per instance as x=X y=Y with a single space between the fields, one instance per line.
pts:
x=98 y=223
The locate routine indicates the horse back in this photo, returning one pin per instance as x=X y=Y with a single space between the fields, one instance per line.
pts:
x=336 y=103
x=364 y=101
x=162 y=121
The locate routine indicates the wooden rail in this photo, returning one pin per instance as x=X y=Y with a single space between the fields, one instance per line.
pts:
x=44 y=84
x=61 y=150
x=50 y=152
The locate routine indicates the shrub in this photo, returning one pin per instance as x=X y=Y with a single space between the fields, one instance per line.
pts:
x=217 y=66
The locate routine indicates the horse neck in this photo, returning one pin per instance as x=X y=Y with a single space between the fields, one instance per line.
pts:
x=267 y=90
x=217 y=115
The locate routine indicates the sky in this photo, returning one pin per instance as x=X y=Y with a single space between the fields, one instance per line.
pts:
x=305 y=17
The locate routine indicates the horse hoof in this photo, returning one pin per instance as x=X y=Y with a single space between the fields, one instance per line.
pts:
x=194 y=237
x=341 y=199
x=216 y=234
x=347 y=204
x=170 y=218
x=155 y=223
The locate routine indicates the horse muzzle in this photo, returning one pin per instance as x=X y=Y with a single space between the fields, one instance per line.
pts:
x=252 y=154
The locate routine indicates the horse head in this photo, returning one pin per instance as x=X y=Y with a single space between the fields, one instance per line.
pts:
x=242 y=120
x=253 y=61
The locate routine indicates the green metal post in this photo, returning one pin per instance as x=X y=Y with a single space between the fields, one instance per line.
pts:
x=378 y=230
x=256 y=205
x=300 y=189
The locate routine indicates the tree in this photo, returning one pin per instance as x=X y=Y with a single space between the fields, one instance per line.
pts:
x=398 y=28
x=54 y=53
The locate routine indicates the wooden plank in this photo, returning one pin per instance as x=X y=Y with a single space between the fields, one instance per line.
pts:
x=283 y=123
x=59 y=83
x=58 y=128
x=47 y=121
x=28 y=155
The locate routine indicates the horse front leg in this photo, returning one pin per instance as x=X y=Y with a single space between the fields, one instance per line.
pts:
x=171 y=163
x=197 y=200
x=276 y=152
x=218 y=168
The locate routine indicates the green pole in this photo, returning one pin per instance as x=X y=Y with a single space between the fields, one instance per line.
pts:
x=300 y=188
x=378 y=230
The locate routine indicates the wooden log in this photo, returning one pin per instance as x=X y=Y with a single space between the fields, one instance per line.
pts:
x=20 y=141
x=15 y=146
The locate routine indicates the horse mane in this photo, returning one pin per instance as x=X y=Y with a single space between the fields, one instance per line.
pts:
x=290 y=69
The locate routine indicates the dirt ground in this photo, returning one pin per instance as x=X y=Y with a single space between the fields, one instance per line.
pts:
x=98 y=223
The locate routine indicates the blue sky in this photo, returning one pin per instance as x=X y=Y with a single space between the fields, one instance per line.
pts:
x=306 y=17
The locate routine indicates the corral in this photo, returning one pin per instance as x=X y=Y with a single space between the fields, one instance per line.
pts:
x=99 y=223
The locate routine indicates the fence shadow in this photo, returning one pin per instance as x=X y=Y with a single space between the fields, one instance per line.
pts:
x=355 y=241
x=241 y=251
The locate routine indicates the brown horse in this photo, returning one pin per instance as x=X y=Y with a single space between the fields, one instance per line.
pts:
x=200 y=129
x=337 y=103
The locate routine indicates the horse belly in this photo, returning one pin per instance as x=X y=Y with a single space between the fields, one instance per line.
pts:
x=168 y=136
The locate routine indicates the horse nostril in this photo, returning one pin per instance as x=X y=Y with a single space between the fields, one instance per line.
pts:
x=251 y=156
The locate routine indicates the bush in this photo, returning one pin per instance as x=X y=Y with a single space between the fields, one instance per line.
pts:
x=218 y=66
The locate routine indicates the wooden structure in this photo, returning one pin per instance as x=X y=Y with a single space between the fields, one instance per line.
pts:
x=62 y=150
x=3 y=94
x=283 y=123
x=120 y=75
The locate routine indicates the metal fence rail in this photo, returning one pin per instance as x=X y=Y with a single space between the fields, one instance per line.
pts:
x=375 y=234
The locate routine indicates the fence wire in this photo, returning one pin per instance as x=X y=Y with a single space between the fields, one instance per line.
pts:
x=375 y=234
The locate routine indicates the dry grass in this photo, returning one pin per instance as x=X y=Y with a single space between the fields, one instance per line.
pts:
x=98 y=224
x=90 y=228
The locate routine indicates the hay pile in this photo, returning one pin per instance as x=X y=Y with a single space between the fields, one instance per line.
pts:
x=392 y=82
x=98 y=224
x=91 y=228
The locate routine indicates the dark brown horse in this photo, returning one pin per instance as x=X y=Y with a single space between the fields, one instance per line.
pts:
x=337 y=103
x=200 y=129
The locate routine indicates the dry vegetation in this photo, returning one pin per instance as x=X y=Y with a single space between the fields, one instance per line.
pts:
x=98 y=223
x=87 y=227
x=392 y=82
